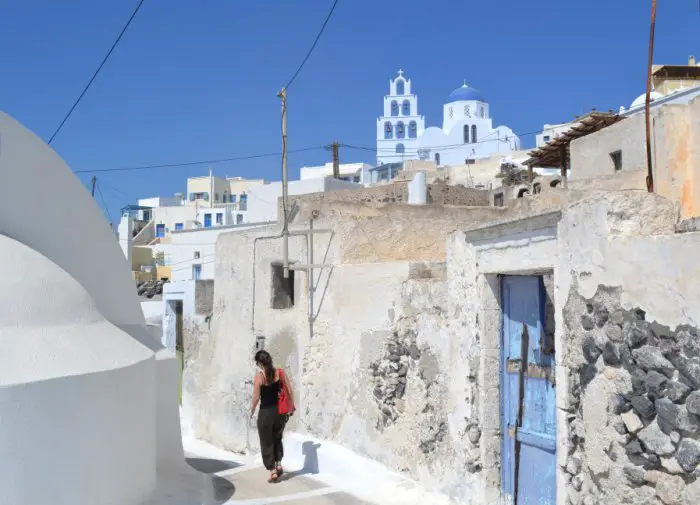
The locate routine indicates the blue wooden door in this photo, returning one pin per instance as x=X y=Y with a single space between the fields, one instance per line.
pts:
x=160 y=230
x=528 y=417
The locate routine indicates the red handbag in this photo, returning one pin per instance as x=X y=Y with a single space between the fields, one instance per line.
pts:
x=285 y=404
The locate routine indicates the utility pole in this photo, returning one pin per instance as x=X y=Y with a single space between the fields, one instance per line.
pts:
x=285 y=225
x=336 y=160
x=650 y=175
x=94 y=182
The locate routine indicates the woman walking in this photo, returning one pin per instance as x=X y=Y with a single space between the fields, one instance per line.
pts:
x=272 y=390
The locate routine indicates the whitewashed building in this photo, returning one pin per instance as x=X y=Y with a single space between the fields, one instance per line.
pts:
x=467 y=131
x=349 y=172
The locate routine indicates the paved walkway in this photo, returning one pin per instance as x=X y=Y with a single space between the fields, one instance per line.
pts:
x=215 y=477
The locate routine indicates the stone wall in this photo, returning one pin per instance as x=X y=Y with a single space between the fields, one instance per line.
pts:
x=634 y=396
x=439 y=193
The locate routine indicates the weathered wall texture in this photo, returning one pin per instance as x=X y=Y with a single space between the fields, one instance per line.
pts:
x=677 y=145
x=439 y=193
x=675 y=150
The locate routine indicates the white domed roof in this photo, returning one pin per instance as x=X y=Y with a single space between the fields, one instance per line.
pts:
x=641 y=99
x=50 y=326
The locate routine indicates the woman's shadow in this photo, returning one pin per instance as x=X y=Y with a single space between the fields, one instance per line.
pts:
x=310 y=451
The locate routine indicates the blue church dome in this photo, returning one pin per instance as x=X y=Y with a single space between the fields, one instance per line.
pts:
x=465 y=93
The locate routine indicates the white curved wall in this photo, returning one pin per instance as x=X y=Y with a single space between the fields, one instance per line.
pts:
x=77 y=394
x=63 y=222
x=97 y=391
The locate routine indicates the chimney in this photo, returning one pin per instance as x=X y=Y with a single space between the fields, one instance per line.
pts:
x=691 y=61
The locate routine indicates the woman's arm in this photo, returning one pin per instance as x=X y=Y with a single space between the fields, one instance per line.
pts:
x=256 y=394
x=288 y=387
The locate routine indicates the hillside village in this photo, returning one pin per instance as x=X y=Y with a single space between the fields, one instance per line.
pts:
x=464 y=320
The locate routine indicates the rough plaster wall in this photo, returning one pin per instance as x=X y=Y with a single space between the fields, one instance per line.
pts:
x=677 y=148
x=382 y=375
x=395 y=232
x=204 y=297
x=590 y=155
x=617 y=255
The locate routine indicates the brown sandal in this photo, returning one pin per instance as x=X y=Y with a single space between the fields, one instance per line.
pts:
x=273 y=476
x=280 y=471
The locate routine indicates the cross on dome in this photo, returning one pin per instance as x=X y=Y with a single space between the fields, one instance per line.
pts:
x=400 y=72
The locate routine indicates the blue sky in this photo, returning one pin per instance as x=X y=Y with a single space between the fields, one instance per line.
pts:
x=197 y=79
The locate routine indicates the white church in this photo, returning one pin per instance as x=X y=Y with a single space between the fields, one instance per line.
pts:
x=467 y=131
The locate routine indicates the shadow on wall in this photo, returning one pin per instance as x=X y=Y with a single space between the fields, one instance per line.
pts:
x=310 y=451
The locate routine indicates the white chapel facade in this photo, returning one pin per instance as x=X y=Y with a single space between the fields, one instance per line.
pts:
x=467 y=131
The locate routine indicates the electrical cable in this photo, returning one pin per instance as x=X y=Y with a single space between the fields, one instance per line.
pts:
x=313 y=46
x=191 y=163
x=94 y=76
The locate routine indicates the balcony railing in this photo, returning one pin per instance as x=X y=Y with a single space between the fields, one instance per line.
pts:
x=238 y=206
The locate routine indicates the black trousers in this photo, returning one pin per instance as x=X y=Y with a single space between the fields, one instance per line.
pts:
x=270 y=429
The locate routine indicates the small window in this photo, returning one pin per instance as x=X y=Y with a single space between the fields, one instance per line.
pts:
x=178 y=226
x=244 y=202
x=437 y=158
x=356 y=178
x=196 y=272
x=239 y=218
x=469 y=161
x=498 y=200
x=523 y=192
x=546 y=138
x=399 y=87
x=216 y=197
x=394 y=108
x=537 y=188
x=412 y=129
x=232 y=198
x=388 y=130
x=466 y=133
x=196 y=255
x=219 y=218
x=400 y=149
x=406 y=108
x=473 y=134
x=282 y=289
x=616 y=158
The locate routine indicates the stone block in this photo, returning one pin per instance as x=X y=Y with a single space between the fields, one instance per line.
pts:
x=688 y=455
x=677 y=391
x=656 y=441
x=677 y=416
x=634 y=474
x=591 y=351
x=632 y=422
x=655 y=384
x=671 y=465
x=692 y=403
x=634 y=334
x=611 y=354
x=691 y=494
x=643 y=406
x=613 y=332
x=669 y=489
x=651 y=358
x=587 y=322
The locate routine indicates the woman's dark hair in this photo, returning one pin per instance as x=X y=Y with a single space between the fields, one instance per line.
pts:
x=264 y=359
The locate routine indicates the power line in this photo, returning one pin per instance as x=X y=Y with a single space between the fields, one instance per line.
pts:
x=313 y=46
x=191 y=163
x=104 y=204
x=94 y=76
